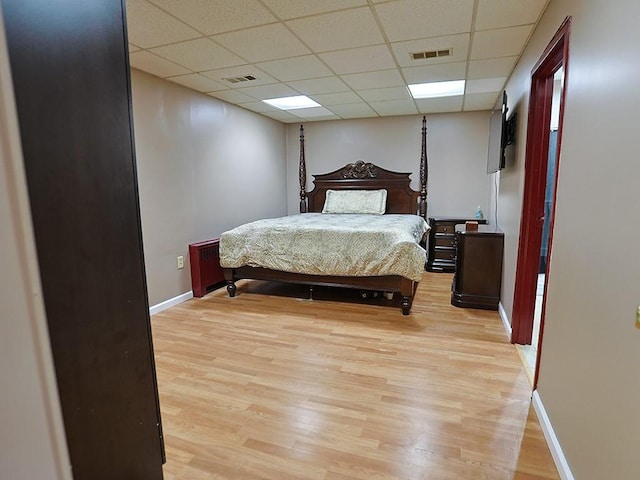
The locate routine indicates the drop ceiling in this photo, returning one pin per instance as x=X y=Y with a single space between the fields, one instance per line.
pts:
x=353 y=57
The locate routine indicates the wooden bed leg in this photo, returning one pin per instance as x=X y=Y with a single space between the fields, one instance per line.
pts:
x=407 y=289
x=406 y=305
x=231 y=286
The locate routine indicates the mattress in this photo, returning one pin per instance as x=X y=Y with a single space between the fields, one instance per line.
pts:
x=330 y=244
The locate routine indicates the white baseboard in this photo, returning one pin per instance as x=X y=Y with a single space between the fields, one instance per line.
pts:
x=552 y=441
x=170 y=303
x=547 y=429
x=505 y=319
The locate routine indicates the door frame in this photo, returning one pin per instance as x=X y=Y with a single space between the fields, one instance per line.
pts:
x=555 y=55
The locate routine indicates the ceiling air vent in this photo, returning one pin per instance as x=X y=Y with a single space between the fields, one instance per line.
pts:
x=244 y=78
x=431 y=54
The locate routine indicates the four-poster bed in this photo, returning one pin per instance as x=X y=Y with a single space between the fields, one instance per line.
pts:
x=373 y=243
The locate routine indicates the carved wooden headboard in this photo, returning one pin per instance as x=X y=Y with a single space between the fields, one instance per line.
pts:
x=401 y=198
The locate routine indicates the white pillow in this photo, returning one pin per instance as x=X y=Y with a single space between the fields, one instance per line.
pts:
x=355 y=201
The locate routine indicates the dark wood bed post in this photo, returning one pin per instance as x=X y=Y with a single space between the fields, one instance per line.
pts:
x=302 y=172
x=424 y=171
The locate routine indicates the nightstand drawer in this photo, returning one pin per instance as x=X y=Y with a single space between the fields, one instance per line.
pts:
x=444 y=240
x=442 y=253
x=445 y=228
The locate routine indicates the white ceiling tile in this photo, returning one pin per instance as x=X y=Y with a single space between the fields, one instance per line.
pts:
x=155 y=65
x=357 y=60
x=288 y=9
x=435 y=73
x=485 y=85
x=379 y=79
x=322 y=119
x=153 y=27
x=459 y=45
x=219 y=16
x=338 y=31
x=503 y=42
x=353 y=110
x=260 y=44
x=409 y=19
x=219 y=75
x=443 y=104
x=311 y=112
x=295 y=68
x=328 y=99
x=501 y=13
x=133 y=48
x=318 y=86
x=382 y=94
x=394 y=107
x=197 y=82
x=259 y=107
x=480 y=101
x=264 y=92
x=282 y=116
x=199 y=55
x=491 y=67
x=232 y=96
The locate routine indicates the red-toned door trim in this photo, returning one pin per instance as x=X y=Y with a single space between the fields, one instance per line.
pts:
x=555 y=55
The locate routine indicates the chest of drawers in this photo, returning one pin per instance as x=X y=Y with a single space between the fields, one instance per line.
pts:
x=476 y=283
x=441 y=251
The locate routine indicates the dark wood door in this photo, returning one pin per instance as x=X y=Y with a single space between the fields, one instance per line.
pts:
x=70 y=70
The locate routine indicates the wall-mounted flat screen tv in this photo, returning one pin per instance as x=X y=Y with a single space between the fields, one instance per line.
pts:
x=498 y=137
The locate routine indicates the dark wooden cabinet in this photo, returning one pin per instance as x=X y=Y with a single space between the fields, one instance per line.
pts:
x=441 y=248
x=76 y=130
x=478 y=277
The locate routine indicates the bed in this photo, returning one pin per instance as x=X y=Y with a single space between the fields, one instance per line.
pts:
x=341 y=243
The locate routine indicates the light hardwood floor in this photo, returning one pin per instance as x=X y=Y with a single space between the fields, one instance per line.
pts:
x=269 y=386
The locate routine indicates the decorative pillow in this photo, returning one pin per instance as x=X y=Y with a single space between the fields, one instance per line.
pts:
x=355 y=201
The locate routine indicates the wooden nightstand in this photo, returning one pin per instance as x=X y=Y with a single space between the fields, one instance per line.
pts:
x=478 y=277
x=441 y=248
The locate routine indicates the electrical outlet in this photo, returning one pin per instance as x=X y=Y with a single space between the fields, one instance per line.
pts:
x=180 y=262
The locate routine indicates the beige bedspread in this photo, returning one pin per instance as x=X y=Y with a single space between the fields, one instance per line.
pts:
x=330 y=244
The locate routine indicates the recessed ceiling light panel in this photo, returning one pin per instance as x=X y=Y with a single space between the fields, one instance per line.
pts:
x=291 y=103
x=437 y=89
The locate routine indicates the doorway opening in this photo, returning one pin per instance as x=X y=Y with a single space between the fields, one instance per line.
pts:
x=529 y=352
x=544 y=139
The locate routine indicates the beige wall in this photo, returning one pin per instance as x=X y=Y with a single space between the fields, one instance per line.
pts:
x=457 y=145
x=591 y=349
x=204 y=166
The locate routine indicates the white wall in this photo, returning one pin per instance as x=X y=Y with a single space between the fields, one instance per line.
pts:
x=204 y=166
x=591 y=350
x=457 y=145
x=32 y=441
